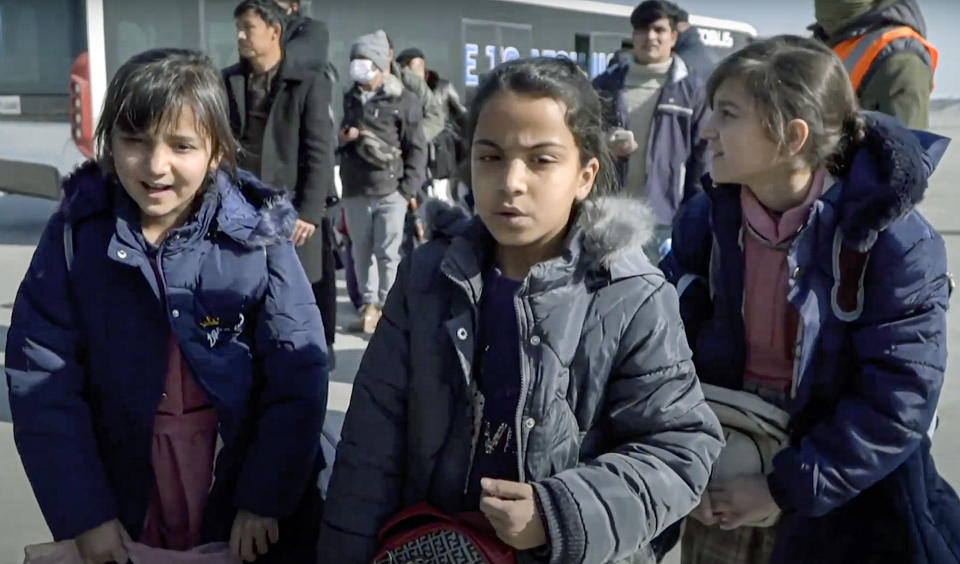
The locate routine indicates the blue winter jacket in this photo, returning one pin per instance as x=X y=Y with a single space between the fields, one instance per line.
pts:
x=676 y=153
x=868 y=277
x=87 y=354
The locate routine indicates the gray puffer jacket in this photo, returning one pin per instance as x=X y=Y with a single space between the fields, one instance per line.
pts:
x=614 y=433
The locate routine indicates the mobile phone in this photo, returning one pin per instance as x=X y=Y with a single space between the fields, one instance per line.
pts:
x=623 y=136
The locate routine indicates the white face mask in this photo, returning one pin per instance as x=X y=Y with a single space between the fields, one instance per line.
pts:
x=363 y=71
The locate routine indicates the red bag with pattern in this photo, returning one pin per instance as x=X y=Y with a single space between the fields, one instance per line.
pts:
x=424 y=534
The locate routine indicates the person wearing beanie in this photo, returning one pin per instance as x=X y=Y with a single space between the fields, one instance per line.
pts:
x=883 y=47
x=382 y=168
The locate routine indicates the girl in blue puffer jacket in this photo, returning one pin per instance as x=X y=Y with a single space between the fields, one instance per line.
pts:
x=809 y=281
x=164 y=309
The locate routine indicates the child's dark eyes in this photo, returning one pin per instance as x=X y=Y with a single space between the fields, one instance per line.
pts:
x=488 y=158
x=546 y=159
x=183 y=147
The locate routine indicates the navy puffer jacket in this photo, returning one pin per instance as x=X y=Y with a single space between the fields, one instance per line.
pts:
x=868 y=277
x=86 y=355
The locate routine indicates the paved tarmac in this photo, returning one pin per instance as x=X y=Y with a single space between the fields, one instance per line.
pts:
x=22 y=220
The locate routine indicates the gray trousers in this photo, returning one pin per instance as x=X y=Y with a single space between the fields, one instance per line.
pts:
x=376 y=231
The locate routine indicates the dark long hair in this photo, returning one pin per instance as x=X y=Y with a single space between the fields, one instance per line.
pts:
x=791 y=77
x=563 y=81
x=150 y=90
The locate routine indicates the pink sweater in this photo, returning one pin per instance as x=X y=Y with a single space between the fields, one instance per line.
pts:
x=770 y=321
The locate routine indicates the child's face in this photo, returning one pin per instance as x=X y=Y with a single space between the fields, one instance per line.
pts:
x=162 y=170
x=742 y=151
x=526 y=169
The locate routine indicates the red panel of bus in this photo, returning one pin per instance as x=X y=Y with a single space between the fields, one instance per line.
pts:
x=81 y=106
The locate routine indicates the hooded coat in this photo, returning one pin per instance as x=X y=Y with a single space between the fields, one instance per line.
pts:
x=900 y=81
x=868 y=277
x=614 y=433
x=86 y=357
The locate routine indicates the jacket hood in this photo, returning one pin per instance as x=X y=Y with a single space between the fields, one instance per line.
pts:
x=605 y=242
x=248 y=210
x=887 y=178
x=896 y=12
x=614 y=228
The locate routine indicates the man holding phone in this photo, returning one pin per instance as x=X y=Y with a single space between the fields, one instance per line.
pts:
x=653 y=108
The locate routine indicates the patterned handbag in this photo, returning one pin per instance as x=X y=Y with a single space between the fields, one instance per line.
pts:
x=424 y=535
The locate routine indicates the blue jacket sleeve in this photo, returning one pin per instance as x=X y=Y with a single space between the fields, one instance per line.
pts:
x=52 y=422
x=366 y=485
x=687 y=264
x=292 y=399
x=697 y=165
x=900 y=347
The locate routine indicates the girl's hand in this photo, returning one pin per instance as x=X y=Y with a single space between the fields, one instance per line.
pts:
x=511 y=509
x=703 y=512
x=742 y=500
x=248 y=539
x=103 y=544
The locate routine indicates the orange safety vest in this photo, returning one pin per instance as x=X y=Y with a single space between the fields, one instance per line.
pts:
x=859 y=53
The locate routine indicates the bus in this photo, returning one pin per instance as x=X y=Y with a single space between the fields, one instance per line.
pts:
x=57 y=56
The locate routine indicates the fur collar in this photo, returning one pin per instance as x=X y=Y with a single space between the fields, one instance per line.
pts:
x=392 y=86
x=605 y=240
x=886 y=179
x=247 y=210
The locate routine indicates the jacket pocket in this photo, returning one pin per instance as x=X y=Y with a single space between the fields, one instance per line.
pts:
x=220 y=317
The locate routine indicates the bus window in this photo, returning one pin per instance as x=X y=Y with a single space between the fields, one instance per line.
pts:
x=38 y=42
x=486 y=44
x=133 y=26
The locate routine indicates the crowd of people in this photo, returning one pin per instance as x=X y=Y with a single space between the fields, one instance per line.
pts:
x=690 y=302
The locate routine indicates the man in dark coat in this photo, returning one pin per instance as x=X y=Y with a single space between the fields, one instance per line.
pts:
x=280 y=112
x=883 y=46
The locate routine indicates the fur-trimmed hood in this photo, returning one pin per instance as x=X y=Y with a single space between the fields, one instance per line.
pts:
x=246 y=209
x=887 y=178
x=605 y=242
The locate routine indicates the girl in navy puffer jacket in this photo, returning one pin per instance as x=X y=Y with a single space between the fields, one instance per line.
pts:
x=165 y=308
x=807 y=278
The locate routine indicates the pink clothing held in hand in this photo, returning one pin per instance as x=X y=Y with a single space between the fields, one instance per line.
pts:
x=65 y=552
x=770 y=321
x=184 y=440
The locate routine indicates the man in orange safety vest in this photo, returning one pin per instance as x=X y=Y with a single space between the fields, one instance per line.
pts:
x=885 y=51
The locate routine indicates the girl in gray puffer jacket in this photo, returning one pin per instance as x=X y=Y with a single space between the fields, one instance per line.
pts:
x=534 y=367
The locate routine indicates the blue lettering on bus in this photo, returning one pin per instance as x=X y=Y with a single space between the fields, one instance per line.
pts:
x=596 y=62
x=470 y=64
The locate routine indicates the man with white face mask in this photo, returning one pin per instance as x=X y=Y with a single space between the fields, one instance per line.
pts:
x=382 y=167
